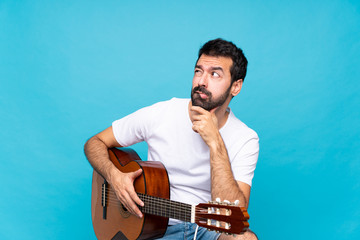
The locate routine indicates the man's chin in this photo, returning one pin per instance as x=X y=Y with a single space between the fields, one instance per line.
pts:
x=201 y=104
x=197 y=102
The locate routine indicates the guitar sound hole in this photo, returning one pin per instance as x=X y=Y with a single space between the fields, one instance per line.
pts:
x=124 y=208
x=124 y=212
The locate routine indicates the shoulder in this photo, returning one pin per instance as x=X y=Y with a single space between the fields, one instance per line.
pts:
x=163 y=110
x=156 y=108
x=236 y=126
x=173 y=102
x=166 y=108
x=238 y=136
x=178 y=101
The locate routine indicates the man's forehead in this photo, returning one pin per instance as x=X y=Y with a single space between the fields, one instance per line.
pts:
x=214 y=61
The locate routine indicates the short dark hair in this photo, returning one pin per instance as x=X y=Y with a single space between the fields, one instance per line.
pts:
x=222 y=48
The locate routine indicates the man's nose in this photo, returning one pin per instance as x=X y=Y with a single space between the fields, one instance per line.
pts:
x=203 y=81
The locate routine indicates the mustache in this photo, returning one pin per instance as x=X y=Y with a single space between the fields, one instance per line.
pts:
x=203 y=90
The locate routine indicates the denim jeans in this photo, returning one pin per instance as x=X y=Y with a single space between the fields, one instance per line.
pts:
x=186 y=231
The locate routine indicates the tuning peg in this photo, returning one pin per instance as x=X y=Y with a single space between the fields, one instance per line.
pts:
x=226 y=202
x=209 y=220
x=218 y=200
x=217 y=224
x=217 y=210
x=236 y=203
x=227 y=226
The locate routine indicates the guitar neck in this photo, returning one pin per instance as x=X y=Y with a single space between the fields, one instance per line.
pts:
x=166 y=208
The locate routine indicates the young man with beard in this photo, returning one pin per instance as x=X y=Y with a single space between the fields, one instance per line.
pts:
x=207 y=151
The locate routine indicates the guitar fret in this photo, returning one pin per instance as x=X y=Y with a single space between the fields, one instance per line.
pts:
x=166 y=208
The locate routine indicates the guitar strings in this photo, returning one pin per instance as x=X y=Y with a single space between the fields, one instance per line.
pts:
x=155 y=206
x=184 y=215
x=111 y=198
x=170 y=210
x=160 y=208
x=114 y=199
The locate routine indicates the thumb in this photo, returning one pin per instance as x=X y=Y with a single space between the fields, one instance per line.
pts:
x=137 y=173
x=213 y=110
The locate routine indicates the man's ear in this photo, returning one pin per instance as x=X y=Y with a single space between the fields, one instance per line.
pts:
x=236 y=87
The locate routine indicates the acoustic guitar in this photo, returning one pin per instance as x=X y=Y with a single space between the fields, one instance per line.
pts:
x=111 y=220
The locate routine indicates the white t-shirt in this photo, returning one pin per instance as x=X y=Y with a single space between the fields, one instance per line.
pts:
x=167 y=129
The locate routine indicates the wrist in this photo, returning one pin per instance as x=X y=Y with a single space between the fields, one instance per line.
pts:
x=216 y=144
x=112 y=173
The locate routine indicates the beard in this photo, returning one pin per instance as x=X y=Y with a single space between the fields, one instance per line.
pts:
x=209 y=103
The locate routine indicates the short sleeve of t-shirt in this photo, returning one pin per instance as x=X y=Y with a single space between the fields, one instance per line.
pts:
x=137 y=127
x=244 y=162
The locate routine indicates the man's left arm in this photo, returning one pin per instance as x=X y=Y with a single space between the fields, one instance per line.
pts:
x=223 y=183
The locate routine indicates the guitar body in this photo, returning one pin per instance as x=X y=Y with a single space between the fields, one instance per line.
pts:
x=110 y=219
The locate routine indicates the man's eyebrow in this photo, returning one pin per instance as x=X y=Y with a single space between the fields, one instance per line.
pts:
x=198 y=66
x=217 y=68
x=212 y=68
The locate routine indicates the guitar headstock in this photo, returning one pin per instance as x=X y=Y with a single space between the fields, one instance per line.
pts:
x=222 y=217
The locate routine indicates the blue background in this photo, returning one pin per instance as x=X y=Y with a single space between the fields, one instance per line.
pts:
x=69 y=68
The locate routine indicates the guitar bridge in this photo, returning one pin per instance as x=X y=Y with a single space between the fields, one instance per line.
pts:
x=103 y=198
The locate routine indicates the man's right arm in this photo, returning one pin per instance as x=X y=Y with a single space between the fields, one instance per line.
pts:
x=96 y=151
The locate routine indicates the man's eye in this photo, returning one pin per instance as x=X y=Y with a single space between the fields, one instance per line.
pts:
x=197 y=72
x=215 y=74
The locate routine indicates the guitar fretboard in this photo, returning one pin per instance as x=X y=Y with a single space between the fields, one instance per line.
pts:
x=165 y=208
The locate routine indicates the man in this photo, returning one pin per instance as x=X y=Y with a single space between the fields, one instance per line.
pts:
x=207 y=151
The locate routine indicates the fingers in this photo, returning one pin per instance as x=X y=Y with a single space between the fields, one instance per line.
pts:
x=125 y=191
x=205 y=123
x=201 y=114
x=127 y=199
x=198 y=109
x=198 y=124
x=203 y=117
